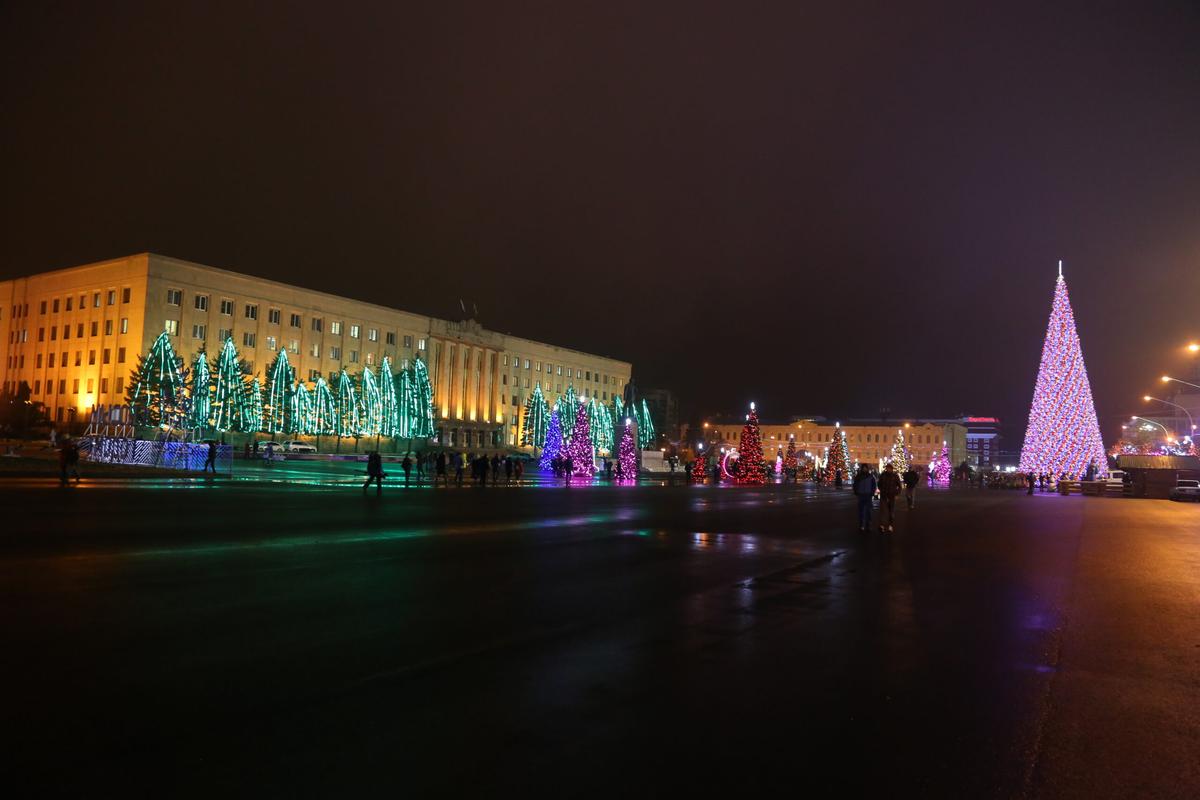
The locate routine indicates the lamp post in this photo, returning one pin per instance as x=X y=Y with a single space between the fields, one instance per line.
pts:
x=1166 y=432
x=1191 y=422
x=1169 y=379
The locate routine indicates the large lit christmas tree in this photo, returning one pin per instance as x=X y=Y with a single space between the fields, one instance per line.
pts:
x=252 y=407
x=1063 y=434
x=699 y=466
x=789 y=458
x=750 y=453
x=229 y=395
x=277 y=404
x=537 y=416
x=568 y=408
x=579 y=448
x=324 y=421
x=627 y=455
x=156 y=393
x=645 y=431
x=346 y=417
x=370 y=413
x=554 y=440
x=201 y=390
x=387 y=392
x=839 y=457
x=899 y=456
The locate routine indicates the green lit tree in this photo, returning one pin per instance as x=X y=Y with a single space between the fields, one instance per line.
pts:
x=346 y=423
x=156 y=394
x=646 y=435
x=280 y=385
x=229 y=394
x=324 y=409
x=252 y=406
x=370 y=404
x=387 y=399
x=535 y=420
x=568 y=411
x=201 y=392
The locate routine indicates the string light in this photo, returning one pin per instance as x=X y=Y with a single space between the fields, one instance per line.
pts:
x=535 y=419
x=750 y=452
x=553 y=441
x=579 y=448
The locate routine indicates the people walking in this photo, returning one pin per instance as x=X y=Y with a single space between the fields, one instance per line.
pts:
x=211 y=461
x=440 y=471
x=484 y=465
x=457 y=458
x=269 y=453
x=889 y=488
x=508 y=469
x=911 y=478
x=864 y=489
x=406 y=465
x=1030 y=480
x=374 y=472
x=68 y=460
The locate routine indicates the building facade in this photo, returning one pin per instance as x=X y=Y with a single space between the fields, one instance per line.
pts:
x=74 y=336
x=869 y=441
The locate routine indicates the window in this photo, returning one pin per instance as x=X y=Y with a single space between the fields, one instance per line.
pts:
x=504 y=379
x=248 y=339
x=69 y=299
x=271 y=344
x=353 y=356
x=223 y=334
x=79 y=331
x=171 y=326
x=54 y=306
x=37 y=386
x=50 y=361
x=390 y=337
x=104 y=386
x=372 y=334
x=335 y=353
x=198 y=331
x=42 y=308
x=370 y=359
x=559 y=370
x=41 y=334
x=119 y=386
x=420 y=344
x=295 y=322
x=75 y=386
x=66 y=332
x=112 y=297
x=408 y=342
x=251 y=311
x=354 y=330
x=506 y=360
x=227 y=308
x=527 y=383
x=589 y=376
x=91 y=358
x=125 y=292
x=318 y=324
x=314 y=374
x=39 y=360
x=78 y=357
x=62 y=386
x=54 y=334
x=201 y=302
x=124 y=324
x=91 y=384
x=95 y=300
x=107 y=355
x=174 y=297
x=335 y=328
x=514 y=400
x=294 y=345
x=273 y=315
x=95 y=329
x=108 y=327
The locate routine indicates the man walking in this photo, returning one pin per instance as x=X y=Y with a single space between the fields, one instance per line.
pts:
x=864 y=490
x=911 y=478
x=458 y=468
x=440 y=474
x=406 y=465
x=211 y=461
x=68 y=460
x=889 y=488
x=374 y=472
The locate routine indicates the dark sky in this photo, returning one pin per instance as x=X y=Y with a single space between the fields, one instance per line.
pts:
x=825 y=208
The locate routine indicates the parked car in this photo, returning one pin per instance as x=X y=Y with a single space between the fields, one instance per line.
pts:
x=291 y=446
x=1116 y=477
x=1186 y=490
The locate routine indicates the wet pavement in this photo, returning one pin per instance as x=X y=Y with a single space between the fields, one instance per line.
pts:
x=191 y=637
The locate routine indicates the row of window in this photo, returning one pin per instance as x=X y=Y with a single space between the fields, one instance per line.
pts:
x=105 y=355
x=119 y=386
x=250 y=339
x=94 y=330
x=109 y=297
x=550 y=369
x=275 y=315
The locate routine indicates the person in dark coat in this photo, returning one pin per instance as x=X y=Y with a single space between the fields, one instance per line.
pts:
x=889 y=488
x=440 y=473
x=864 y=490
x=211 y=461
x=406 y=465
x=374 y=472
x=911 y=478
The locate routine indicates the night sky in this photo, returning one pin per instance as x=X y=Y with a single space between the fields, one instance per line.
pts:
x=823 y=208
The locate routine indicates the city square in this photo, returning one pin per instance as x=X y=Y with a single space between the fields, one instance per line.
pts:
x=600 y=400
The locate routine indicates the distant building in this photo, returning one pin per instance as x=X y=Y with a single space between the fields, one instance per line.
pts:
x=664 y=412
x=983 y=441
x=869 y=441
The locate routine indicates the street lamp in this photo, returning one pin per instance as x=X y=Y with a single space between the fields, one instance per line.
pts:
x=1168 y=379
x=1191 y=422
x=1166 y=432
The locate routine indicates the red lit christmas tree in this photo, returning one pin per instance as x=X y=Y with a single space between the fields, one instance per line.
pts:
x=579 y=449
x=750 y=453
x=839 y=457
x=699 y=467
x=789 y=458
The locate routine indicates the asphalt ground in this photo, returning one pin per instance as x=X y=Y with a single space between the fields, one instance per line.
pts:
x=295 y=638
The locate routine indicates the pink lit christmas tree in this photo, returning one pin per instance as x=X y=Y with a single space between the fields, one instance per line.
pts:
x=1063 y=435
x=940 y=468
x=627 y=455
x=580 y=447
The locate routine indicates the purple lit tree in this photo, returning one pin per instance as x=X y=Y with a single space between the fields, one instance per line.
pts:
x=1063 y=435
x=940 y=468
x=580 y=447
x=554 y=440
x=627 y=455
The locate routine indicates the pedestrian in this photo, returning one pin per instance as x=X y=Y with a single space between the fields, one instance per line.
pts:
x=374 y=472
x=1029 y=479
x=568 y=468
x=440 y=471
x=420 y=468
x=458 y=468
x=608 y=468
x=211 y=461
x=911 y=477
x=53 y=438
x=256 y=448
x=269 y=453
x=68 y=460
x=837 y=480
x=406 y=465
x=1090 y=475
x=889 y=487
x=484 y=464
x=864 y=489
x=508 y=469
x=246 y=452
x=519 y=467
